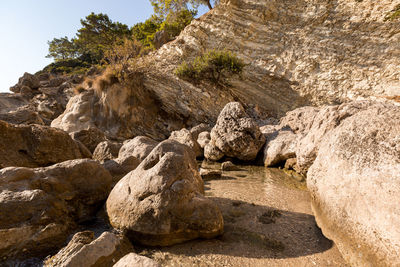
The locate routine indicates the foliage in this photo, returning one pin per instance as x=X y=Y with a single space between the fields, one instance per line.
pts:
x=145 y=31
x=97 y=34
x=67 y=66
x=165 y=7
x=62 y=48
x=173 y=25
x=214 y=66
x=394 y=14
x=120 y=56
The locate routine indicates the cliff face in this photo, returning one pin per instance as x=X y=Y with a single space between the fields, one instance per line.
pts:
x=298 y=52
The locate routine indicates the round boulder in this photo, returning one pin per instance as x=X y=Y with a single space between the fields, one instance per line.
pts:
x=162 y=201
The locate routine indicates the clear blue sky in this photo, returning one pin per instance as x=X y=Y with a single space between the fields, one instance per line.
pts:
x=27 y=25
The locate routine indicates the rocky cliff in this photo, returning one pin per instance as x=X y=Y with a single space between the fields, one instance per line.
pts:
x=297 y=53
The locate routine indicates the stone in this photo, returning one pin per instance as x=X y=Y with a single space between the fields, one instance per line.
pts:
x=106 y=150
x=355 y=185
x=229 y=166
x=90 y=137
x=40 y=207
x=208 y=174
x=35 y=145
x=327 y=119
x=136 y=260
x=29 y=80
x=299 y=120
x=139 y=147
x=56 y=81
x=184 y=136
x=162 y=201
x=279 y=147
x=235 y=134
x=85 y=250
x=120 y=166
x=291 y=164
x=21 y=115
x=203 y=139
x=212 y=152
x=196 y=130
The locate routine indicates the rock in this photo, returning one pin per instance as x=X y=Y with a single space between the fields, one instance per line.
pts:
x=43 y=76
x=196 y=130
x=185 y=137
x=106 y=150
x=203 y=139
x=136 y=260
x=16 y=109
x=40 y=207
x=162 y=201
x=26 y=91
x=212 y=152
x=74 y=120
x=229 y=166
x=161 y=38
x=84 y=250
x=139 y=147
x=56 y=81
x=299 y=120
x=327 y=119
x=208 y=174
x=90 y=137
x=355 y=184
x=280 y=146
x=35 y=145
x=29 y=80
x=235 y=134
x=291 y=164
x=22 y=115
x=120 y=166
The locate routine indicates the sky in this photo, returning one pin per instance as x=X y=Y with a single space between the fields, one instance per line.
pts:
x=27 y=25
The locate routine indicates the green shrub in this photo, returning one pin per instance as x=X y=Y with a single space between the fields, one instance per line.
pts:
x=215 y=66
x=394 y=14
x=68 y=66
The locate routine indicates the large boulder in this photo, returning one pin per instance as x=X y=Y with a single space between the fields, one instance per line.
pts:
x=139 y=147
x=235 y=135
x=39 y=207
x=136 y=260
x=28 y=80
x=327 y=119
x=355 y=185
x=279 y=147
x=162 y=201
x=184 y=136
x=35 y=146
x=85 y=250
x=16 y=109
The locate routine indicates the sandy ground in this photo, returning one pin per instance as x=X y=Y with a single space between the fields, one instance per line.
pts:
x=268 y=222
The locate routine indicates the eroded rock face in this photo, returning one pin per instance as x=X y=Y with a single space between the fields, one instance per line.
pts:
x=327 y=119
x=35 y=145
x=234 y=135
x=162 y=201
x=355 y=186
x=85 y=250
x=184 y=136
x=139 y=147
x=39 y=207
x=133 y=259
